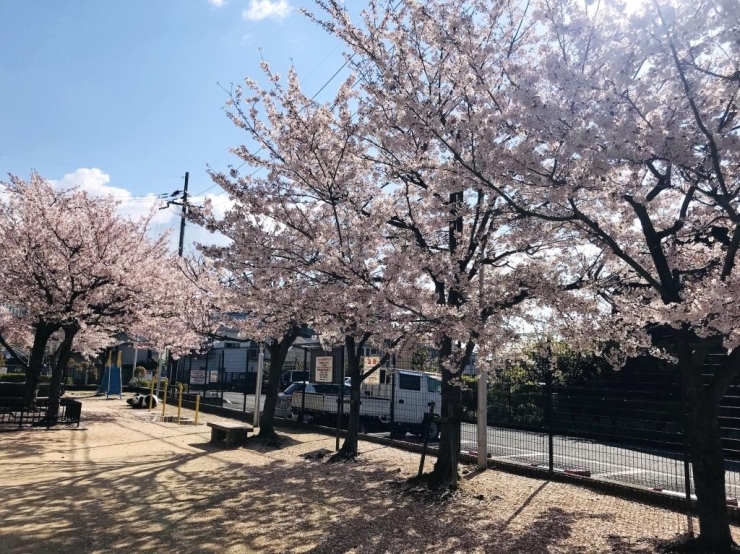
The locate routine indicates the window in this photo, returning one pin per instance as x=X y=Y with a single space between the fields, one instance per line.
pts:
x=434 y=385
x=409 y=382
x=231 y=345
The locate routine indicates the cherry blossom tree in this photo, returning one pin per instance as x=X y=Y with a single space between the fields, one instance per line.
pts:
x=655 y=188
x=68 y=269
x=318 y=202
x=620 y=125
x=267 y=301
x=420 y=117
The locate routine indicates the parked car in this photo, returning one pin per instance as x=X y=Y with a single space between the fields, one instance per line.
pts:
x=292 y=376
x=285 y=398
x=282 y=408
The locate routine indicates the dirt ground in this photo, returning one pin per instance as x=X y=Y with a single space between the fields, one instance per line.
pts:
x=122 y=483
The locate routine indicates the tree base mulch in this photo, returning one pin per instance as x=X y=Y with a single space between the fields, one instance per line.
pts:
x=425 y=489
x=264 y=443
x=316 y=455
x=342 y=456
x=690 y=545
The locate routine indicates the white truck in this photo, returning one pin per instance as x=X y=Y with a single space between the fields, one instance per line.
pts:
x=405 y=393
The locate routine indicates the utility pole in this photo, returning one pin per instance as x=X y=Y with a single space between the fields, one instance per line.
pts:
x=184 y=215
x=482 y=387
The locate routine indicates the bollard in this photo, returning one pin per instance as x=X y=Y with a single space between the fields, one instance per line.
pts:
x=164 y=401
x=179 y=401
x=197 y=407
x=151 y=395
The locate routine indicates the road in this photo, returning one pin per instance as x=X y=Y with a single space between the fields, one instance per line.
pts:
x=616 y=462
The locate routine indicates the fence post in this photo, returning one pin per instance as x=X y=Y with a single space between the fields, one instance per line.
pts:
x=425 y=430
x=482 y=419
x=393 y=400
x=550 y=427
x=179 y=401
x=453 y=423
x=340 y=396
x=684 y=416
x=307 y=369
x=151 y=394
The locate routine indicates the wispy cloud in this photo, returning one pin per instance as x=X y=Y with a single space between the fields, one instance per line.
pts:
x=217 y=3
x=262 y=9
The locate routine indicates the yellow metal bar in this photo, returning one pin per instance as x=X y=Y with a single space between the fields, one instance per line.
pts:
x=164 y=401
x=151 y=395
x=179 y=401
x=197 y=407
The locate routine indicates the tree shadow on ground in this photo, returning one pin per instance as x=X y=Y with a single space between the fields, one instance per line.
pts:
x=210 y=501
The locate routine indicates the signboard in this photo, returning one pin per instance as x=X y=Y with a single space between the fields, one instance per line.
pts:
x=214 y=377
x=368 y=363
x=197 y=377
x=324 y=367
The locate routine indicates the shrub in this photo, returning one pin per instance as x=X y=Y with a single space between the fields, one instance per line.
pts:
x=13 y=378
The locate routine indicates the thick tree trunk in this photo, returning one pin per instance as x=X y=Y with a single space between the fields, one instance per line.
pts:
x=708 y=462
x=445 y=468
x=58 y=371
x=278 y=354
x=349 y=447
x=705 y=445
x=267 y=420
x=42 y=333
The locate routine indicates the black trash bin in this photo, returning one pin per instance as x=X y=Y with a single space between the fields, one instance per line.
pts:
x=72 y=411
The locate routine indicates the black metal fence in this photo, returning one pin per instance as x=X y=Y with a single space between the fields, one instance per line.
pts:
x=625 y=426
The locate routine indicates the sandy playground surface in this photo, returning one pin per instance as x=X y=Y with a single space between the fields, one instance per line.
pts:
x=125 y=484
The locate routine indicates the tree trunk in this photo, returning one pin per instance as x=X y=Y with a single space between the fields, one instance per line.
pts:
x=42 y=333
x=445 y=468
x=278 y=354
x=349 y=447
x=705 y=445
x=58 y=371
x=708 y=462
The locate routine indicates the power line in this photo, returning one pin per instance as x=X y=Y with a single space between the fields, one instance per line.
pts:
x=261 y=148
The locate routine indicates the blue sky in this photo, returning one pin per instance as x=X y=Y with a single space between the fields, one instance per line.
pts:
x=121 y=96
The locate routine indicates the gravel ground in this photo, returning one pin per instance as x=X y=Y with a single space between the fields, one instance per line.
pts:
x=123 y=483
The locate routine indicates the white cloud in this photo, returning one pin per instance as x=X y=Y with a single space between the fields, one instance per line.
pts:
x=262 y=9
x=96 y=182
x=217 y=3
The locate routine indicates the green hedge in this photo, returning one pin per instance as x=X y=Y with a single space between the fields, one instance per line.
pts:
x=13 y=378
x=20 y=378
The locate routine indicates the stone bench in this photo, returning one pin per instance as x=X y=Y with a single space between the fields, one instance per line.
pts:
x=233 y=434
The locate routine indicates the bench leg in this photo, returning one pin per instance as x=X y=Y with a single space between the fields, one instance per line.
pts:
x=214 y=436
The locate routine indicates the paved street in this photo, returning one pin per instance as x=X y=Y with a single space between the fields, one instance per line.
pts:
x=617 y=462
